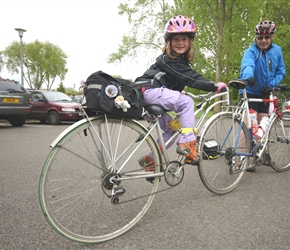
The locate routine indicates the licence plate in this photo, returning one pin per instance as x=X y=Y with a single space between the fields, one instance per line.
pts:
x=11 y=100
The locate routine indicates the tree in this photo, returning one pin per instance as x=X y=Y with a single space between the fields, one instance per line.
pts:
x=71 y=91
x=146 y=30
x=1 y=61
x=225 y=28
x=61 y=88
x=213 y=19
x=43 y=63
x=279 y=11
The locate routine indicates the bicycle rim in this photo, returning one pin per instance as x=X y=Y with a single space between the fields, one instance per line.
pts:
x=278 y=146
x=222 y=170
x=75 y=187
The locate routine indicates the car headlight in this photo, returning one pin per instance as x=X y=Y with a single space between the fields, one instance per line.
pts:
x=68 y=109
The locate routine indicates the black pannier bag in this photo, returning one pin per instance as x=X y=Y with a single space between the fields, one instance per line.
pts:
x=210 y=150
x=102 y=89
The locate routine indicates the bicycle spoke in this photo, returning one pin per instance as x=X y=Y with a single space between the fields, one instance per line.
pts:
x=222 y=166
x=278 y=146
x=81 y=193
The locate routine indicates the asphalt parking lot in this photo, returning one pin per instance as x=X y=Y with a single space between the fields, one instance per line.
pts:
x=256 y=215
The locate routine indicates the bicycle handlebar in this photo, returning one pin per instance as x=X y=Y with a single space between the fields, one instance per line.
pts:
x=240 y=84
x=281 y=87
x=207 y=95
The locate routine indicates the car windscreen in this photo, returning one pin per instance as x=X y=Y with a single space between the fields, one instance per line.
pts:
x=57 y=97
x=11 y=87
x=77 y=98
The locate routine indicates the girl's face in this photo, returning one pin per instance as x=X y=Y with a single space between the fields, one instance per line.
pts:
x=180 y=44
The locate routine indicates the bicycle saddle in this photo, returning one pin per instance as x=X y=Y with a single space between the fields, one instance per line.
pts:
x=238 y=83
x=155 y=109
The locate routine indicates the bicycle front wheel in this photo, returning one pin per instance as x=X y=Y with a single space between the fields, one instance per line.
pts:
x=278 y=146
x=92 y=188
x=224 y=148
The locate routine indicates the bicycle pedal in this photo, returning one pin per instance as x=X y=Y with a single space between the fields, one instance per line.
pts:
x=150 y=179
x=192 y=162
x=251 y=169
x=182 y=151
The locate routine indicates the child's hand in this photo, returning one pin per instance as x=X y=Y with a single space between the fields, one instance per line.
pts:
x=221 y=87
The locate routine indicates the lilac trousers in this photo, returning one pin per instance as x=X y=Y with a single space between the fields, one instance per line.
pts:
x=177 y=102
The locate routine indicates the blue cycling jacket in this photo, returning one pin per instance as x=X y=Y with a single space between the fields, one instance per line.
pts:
x=267 y=67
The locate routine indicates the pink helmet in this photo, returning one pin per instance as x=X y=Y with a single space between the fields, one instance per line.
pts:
x=266 y=27
x=179 y=25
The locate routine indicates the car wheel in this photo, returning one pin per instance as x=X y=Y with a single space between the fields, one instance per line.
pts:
x=17 y=121
x=53 y=118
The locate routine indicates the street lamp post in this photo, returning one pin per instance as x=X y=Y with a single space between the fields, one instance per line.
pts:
x=20 y=33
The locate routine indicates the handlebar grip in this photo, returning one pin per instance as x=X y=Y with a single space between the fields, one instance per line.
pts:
x=283 y=87
x=280 y=87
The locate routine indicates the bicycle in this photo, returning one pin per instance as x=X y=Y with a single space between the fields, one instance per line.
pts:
x=232 y=133
x=92 y=188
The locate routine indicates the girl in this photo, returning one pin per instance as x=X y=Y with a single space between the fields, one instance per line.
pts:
x=169 y=75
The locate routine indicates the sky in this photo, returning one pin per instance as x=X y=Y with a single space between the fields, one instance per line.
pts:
x=88 y=31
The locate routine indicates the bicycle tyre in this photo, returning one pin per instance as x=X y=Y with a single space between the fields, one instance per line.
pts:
x=75 y=189
x=221 y=171
x=278 y=146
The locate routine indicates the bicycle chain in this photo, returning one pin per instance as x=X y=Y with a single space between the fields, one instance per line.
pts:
x=144 y=196
x=137 y=198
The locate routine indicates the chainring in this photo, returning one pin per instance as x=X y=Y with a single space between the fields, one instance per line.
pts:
x=174 y=173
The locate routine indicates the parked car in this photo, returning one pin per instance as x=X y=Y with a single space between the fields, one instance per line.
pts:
x=77 y=98
x=53 y=107
x=14 y=102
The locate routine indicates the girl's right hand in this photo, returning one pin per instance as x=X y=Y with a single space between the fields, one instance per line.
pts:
x=221 y=87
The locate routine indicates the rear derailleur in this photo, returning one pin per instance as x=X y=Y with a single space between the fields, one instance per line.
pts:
x=112 y=188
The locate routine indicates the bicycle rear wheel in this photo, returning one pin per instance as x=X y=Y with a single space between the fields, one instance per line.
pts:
x=82 y=194
x=278 y=146
x=222 y=143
